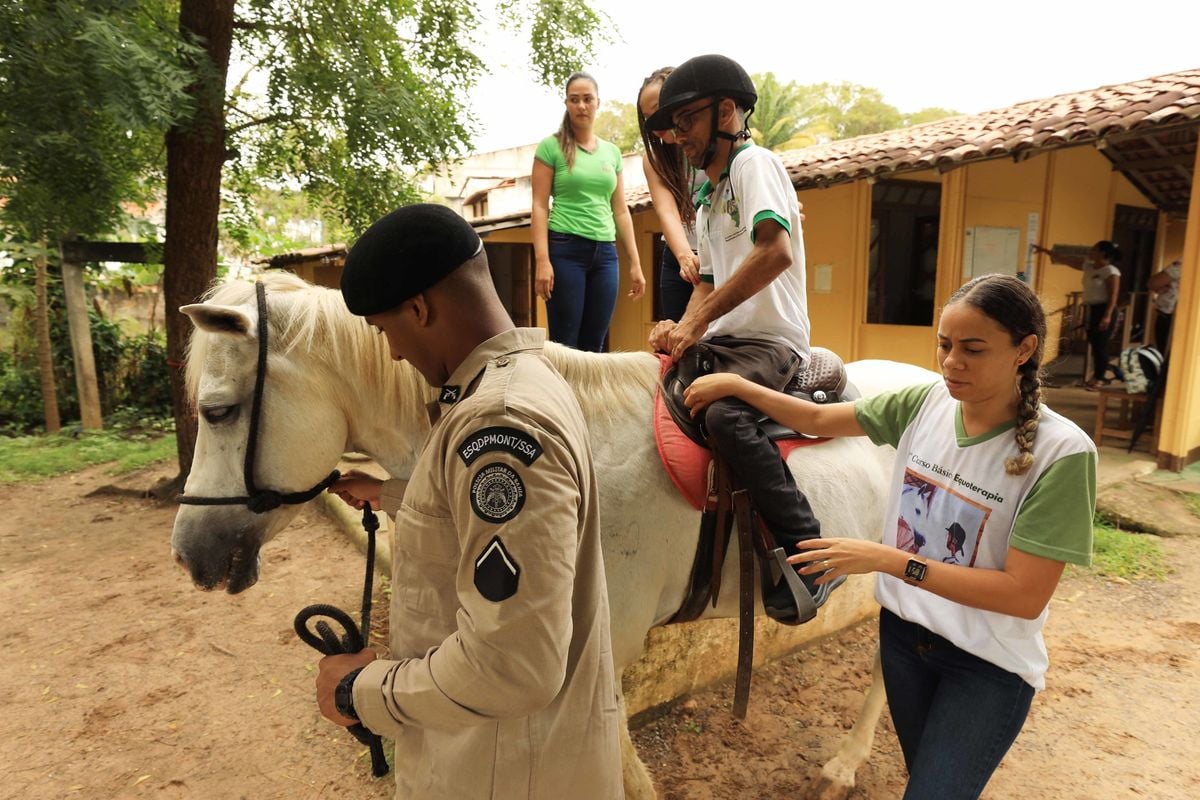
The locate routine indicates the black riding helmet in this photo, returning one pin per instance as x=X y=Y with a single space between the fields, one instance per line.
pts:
x=703 y=76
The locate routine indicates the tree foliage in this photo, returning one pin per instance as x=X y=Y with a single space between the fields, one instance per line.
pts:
x=351 y=100
x=87 y=89
x=617 y=122
x=790 y=115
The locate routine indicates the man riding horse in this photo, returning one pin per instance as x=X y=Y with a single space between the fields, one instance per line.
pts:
x=749 y=313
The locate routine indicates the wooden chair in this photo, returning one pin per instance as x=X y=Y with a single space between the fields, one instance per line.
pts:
x=1128 y=405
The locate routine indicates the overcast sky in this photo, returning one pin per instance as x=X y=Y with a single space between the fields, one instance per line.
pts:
x=967 y=56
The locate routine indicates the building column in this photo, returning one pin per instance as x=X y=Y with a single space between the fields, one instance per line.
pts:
x=1179 y=439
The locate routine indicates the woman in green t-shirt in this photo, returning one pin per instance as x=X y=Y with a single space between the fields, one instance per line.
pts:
x=573 y=240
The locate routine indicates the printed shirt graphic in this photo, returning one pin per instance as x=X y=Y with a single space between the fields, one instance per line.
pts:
x=954 y=503
x=754 y=188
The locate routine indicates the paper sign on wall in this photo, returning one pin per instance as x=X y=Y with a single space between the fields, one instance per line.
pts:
x=991 y=250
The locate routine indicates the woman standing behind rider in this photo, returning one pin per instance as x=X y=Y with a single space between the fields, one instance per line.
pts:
x=573 y=240
x=667 y=175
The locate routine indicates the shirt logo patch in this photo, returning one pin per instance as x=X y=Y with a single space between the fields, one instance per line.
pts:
x=449 y=394
x=496 y=572
x=505 y=440
x=497 y=493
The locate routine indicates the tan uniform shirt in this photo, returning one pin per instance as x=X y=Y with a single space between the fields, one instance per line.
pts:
x=504 y=687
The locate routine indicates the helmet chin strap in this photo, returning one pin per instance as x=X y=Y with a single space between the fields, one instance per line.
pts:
x=710 y=152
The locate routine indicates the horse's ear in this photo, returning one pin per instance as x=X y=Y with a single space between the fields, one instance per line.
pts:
x=217 y=319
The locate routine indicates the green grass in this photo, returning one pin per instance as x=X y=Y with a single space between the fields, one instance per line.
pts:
x=1121 y=554
x=1193 y=501
x=31 y=458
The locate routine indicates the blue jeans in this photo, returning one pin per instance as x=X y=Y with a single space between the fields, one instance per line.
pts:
x=955 y=714
x=673 y=291
x=585 y=291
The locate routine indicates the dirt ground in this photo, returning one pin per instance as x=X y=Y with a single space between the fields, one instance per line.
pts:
x=121 y=680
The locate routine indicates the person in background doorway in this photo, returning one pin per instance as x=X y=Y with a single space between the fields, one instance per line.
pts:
x=576 y=268
x=1101 y=285
x=1165 y=285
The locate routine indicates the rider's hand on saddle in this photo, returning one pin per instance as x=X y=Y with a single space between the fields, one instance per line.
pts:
x=357 y=488
x=330 y=671
x=685 y=334
x=709 y=388
x=658 y=335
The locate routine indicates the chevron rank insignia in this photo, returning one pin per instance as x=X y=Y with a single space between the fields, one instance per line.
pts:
x=496 y=572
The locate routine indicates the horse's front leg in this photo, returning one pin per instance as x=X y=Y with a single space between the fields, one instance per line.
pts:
x=837 y=776
x=638 y=783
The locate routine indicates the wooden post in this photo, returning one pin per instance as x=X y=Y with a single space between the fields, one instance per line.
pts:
x=45 y=354
x=81 y=345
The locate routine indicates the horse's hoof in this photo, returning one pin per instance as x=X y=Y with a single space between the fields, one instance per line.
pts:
x=825 y=789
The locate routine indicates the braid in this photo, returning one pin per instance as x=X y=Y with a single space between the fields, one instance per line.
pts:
x=1028 y=413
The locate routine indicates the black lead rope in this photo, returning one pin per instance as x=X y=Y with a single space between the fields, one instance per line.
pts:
x=352 y=640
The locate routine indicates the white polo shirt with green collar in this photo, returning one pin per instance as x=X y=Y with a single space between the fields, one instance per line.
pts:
x=753 y=189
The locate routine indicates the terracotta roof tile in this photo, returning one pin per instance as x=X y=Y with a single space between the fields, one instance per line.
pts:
x=1068 y=119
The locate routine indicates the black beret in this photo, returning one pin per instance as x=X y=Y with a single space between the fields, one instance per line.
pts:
x=403 y=254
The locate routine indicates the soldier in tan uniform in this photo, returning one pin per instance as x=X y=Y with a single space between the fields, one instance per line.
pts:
x=501 y=683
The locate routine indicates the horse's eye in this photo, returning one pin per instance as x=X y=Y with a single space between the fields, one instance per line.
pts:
x=217 y=414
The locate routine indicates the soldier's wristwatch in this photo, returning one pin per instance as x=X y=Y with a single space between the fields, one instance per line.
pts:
x=343 y=695
x=914 y=570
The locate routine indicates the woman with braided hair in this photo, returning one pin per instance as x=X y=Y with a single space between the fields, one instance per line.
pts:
x=961 y=643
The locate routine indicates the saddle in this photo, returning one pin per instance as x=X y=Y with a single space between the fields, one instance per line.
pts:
x=823 y=381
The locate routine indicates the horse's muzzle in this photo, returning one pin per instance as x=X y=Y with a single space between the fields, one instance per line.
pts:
x=218 y=557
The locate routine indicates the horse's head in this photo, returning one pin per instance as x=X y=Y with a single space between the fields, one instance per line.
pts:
x=301 y=433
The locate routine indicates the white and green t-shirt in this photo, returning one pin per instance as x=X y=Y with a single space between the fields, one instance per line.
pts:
x=582 y=193
x=952 y=501
x=754 y=187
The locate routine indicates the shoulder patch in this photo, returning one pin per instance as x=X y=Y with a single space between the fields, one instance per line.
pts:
x=497 y=438
x=497 y=493
x=496 y=572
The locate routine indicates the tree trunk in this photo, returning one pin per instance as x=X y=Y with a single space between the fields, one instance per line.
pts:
x=195 y=155
x=81 y=345
x=45 y=353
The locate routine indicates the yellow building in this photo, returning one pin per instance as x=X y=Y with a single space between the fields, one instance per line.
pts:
x=896 y=221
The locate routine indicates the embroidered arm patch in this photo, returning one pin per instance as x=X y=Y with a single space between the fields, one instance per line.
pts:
x=496 y=572
x=499 y=439
x=497 y=493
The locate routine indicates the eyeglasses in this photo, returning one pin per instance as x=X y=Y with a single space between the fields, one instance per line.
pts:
x=685 y=121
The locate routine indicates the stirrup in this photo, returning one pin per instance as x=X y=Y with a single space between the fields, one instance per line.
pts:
x=806 y=603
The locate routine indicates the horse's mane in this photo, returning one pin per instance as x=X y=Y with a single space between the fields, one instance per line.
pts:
x=606 y=383
x=315 y=319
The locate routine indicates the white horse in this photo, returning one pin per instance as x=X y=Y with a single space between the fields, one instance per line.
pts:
x=331 y=387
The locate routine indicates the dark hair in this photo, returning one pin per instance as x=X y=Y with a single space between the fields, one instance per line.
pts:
x=566 y=134
x=1015 y=307
x=1109 y=250
x=667 y=159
